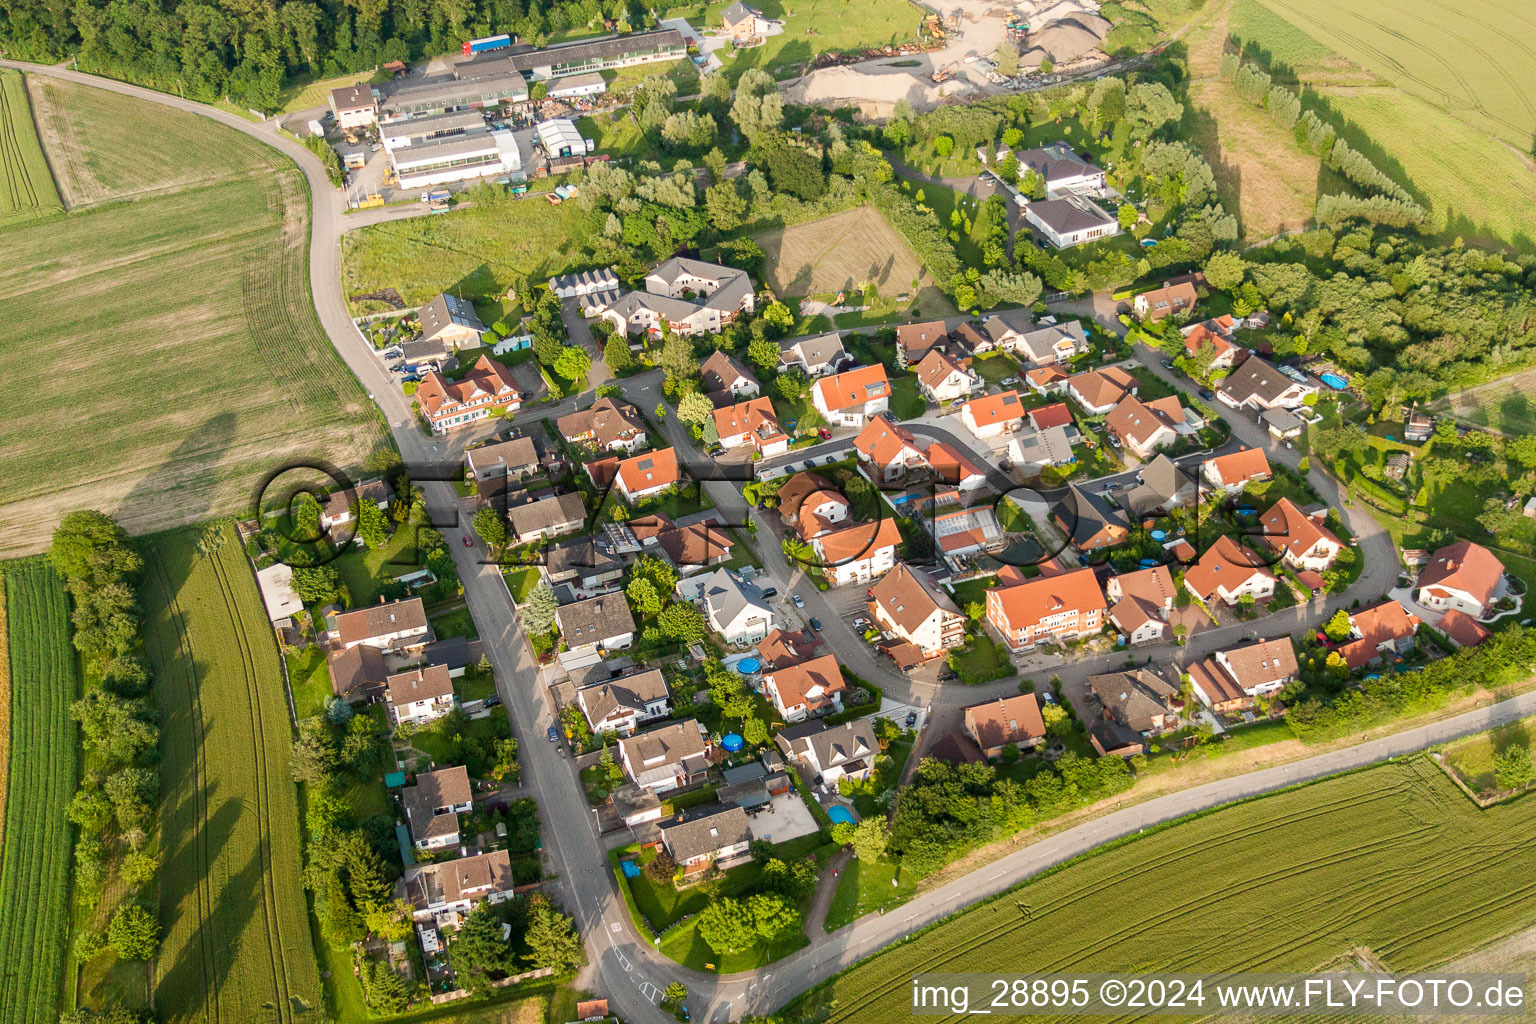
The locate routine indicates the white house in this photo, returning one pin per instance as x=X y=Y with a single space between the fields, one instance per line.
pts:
x=943 y=378
x=1464 y=577
x=666 y=757
x=889 y=449
x=993 y=417
x=906 y=603
x=858 y=554
x=817 y=356
x=1229 y=572
x=1070 y=220
x=420 y=695
x=1259 y=384
x=707 y=835
x=735 y=609
x=1302 y=540
x=445 y=891
x=806 y=688
x=831 y=753
x=399 y=625
x=622 y=705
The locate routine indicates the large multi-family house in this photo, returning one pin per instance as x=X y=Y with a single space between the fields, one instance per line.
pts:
x=622 y=705
x=1259 y=384
x=1301 y=539
x=889 y=449
x=907 y=603
x=450 y=404
x=419 y=695
x=446 y=891
x=726 y=380
x=433 y=806
x=850 y=398
x=554 y=516
x=705 y=836
x=397 y=626
x=945 y=378
x=993 y=417
x=736 y=610
x=1008 y=720
x=1463 y=577
x=1099 y=391
x=666 y=757
x=1229 y=680
x=1230 y=572
x=830 y=753
x=686 y=296
x=608 y=426
x=1383 y=630
x=1048 y=608
x=858 y=553
x=1235 y=470
x=752 y=423
x=806 y=688
x=817 y=356
x=1140 y=603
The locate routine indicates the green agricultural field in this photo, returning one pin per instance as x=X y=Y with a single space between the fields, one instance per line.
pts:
x=237 y=944
x=1393 y=860
x=479 y=252
x=34 y=863
x=26 y=188
x=174 y=336
x=811 y=27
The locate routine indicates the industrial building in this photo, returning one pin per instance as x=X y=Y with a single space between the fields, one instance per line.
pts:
x=437 y=157
x=583 y=57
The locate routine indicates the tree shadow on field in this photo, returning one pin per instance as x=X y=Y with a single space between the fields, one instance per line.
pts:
x=182 y=478
x=203 y=961
x=1199 y=127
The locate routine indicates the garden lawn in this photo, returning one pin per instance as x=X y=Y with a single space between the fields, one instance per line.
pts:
x=520 y=582
x=865 y=888
x=995 y=367
x=454 y=622
x=981 y=660
x=907 y=400
x=310 y=678
x=1471 y=759
x=364 y=571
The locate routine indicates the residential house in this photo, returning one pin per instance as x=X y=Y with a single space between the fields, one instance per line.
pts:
x=397 y=626
x=1235 y=470
x=1259 y=384
x=858 y=553
x=744 y=24
x=339 y=507
x=1229 y=680
x=581 y=283
x=1162 y=487
x=1461 y=576
x=1462 y=629
x=1218 y=334
x=915 y=341
x=704 y=836
x=1229 y=572
x=806 y=688
x=1008 y=720
x=666 y=757
x=1398 y=463
x=1161 y=303
x=753 y=424
x=728 y=379
x=993 y=416
x=517 y=457
x=487 y=388
x=433 y=806
x=1030 y=450
x=355 y=106
x=906 y=602
x=1057 y=414
x=592 y=626
x=1099 y=391
x=830 y=753
x=817 y=356
x=944 y=378
x=889 y=449
x=586 y=564
x=1140 y=603
x=1070 y=220
x=1061 y=169
x=1004 y=328
x=954 y=467
x=811 y=505
x=357 y=672
x=608 y=426
x=648 y=475
x=1046 y=380
x=696 y=546
x=1417 y=426
x=688 y=296
x=965 y=531
x=554 y=516
x=451 y=322
x=1302 y=540
x=970 y=340
x=783 y=648
x=419 y=695
x=736 y=610
x=849 y=399
x=1383 y=630
x=1047 y=608
x=1145 y=427
x=1134 y=706
x=446 y=891
x=622 y=705
x=1045 y=344
x=1089 y=520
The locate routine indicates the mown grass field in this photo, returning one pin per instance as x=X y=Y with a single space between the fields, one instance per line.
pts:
x=811 y=27
x=478 y=252
x=1472 y=759
x=1507 y=405
x=35 y=859
x=848 y=250
x=1393 y=859
x=27 y=192
x=171 y=353
x=236 y=933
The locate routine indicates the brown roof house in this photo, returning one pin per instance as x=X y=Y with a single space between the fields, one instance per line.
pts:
x=517 y=457
x=1233 y=471
x=445 y=891
x=554 y=516
x=1140 y=603
x=1145 y=427
x=1161 y=303
x=340 y=507
x=1099 y=391
x=1461 y=576
x=995 y=724
x=849 y=399
x=858 y=553
x=420 y=695
x=622 y=705
x=1134 y=705
x=907 y=603
x=357 y=672
x=1229 y=572
x=702 y=836
x=590 y=627
x=1229 y=680
x=433 y=806
x=451 y=321
x=1161 y=487
x=451 y=404
x=666 y=757
x=806 y=688
x=915 y=341
x=1302 y=540
x=608 y=426
x=1089 y=520
x=945 y=378
x=397 y=626
x=726 y=380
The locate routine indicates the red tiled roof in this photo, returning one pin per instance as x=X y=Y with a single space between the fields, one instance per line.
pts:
x=1027 y=603
x=883 y=440
x=648 y=470
x=1003 y=408
x=1379 y=624
x=1463 y=629
x=1057 y=414
x=1239 y=467
x=1226 y=564
x=854 y=387
x=1464 y=566
x=1006 y=720
x=1288 y=528
x=858 y=542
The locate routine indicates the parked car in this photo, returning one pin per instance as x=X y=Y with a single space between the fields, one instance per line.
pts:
x=1114 y=441
x=815 y=624
x=948 y=677
x=554 y=735
x=1207 y=394
x=911 y=719
x=491 y=702
x=798 y=602
x=715 y=448
x=1008 y=382
x=771 y=592
x=824 y=433
x=1167 y=364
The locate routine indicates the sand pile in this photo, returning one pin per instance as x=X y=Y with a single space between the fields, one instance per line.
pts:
x=876 y=92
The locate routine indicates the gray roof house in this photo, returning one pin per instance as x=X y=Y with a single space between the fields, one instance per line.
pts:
x=666 y=757
x=548 y=517
x=620 y=705
x=433 y=806
x=1259 y=384
x=583 y=563
x=598 y=623
x=706 y=835
x=817 y=356
x=1070 y=220
x=734 y=608
x=1163 y=486
x=452 y=321
x=518 y=456
x=831 y=751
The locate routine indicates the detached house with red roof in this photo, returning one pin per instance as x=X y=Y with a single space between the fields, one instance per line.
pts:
x=1099 y=391
x=1057 y=414
x=1217 y=333
x=995 y=724
x=850 y=399
x=1302 y=540
x=889 y=448
x=449 y=405
x=1145 y=427
x=811 y=505
x=993 y=416
x=955 y=467
x=1234 y=471
x=859 y=553
x=1140 y=603
x=1229 y=572
x=1463 y=577
x=1062 y=607
x=806 y=688
x=1175 y=296
x=1229 y=680
x=907 y=603
x=647 y=475
x=1383 y=630
x=752 y=423
x=943 y=378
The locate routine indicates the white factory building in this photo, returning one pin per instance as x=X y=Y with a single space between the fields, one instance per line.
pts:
x=445 y=148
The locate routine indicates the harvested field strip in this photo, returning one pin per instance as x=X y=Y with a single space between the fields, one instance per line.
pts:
x=1392 y=858
x=34 y=864
x=237 y=938
x=26 y=187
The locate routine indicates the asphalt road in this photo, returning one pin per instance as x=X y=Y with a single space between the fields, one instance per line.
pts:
x=623 y=967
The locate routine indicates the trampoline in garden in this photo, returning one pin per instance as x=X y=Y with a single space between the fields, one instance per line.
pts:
x=1334 y=381
x=630 y=868
x=732 y=742
x=748 y=666
x=840 y=815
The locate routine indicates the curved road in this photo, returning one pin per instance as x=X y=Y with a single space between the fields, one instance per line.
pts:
x=623 y=967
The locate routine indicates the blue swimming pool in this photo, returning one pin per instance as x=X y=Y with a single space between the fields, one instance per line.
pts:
x=840 y=815
x=1334 y=381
